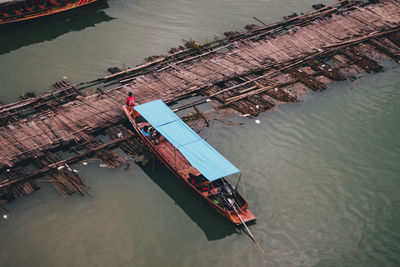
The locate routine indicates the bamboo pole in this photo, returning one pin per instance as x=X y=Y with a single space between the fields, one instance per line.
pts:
x=62 y=162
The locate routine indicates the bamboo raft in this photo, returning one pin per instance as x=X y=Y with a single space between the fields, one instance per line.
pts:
x=248 y=72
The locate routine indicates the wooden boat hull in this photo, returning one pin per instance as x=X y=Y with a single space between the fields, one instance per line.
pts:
x=34 y=16
x=232 y=216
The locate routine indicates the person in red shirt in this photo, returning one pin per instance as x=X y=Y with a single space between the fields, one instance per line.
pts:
x=130 y=101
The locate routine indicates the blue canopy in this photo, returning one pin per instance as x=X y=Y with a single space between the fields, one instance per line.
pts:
x=198 y=152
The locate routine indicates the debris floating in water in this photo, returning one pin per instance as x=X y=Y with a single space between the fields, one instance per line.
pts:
x=257 y=121
x=85 y=163
x=68 y=167
x=5 y=216
x=102 y=165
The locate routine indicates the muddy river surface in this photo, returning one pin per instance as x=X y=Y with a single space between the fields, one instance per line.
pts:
x=322 y=176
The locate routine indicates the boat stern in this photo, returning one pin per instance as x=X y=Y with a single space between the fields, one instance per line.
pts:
x=245 y=215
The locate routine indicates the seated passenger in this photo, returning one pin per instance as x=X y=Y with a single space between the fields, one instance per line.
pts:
x=153 y=131
x=146 y=132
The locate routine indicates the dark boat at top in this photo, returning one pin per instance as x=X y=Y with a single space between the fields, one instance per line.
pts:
x=19 y=11
x=192 y=160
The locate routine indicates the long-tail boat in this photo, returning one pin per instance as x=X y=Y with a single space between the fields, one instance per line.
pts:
x=19 y=11
x=192 y=160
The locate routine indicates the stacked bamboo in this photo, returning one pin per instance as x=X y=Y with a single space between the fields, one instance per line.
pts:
x=19 y=189
x=65 y=179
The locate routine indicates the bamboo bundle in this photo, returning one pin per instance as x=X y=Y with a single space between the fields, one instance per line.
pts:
x=64 y=179
x=18 y=189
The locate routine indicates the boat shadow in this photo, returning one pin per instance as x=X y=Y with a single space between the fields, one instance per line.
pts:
x=46 y=29
x=210 y=222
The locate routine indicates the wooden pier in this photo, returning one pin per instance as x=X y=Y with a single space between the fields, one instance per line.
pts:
x=250 y=72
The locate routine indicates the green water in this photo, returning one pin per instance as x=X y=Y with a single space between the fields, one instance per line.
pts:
x=321 y=176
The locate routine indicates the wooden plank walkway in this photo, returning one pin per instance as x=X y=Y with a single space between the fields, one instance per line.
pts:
x=251 y=72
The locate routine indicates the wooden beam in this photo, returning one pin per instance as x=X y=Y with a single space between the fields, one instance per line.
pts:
x=255 y=92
